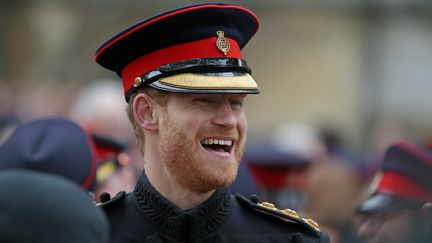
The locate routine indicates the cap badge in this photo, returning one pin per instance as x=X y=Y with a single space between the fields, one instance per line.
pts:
x=222 y=44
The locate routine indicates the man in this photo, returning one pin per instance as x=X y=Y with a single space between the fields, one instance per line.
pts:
x=60 y=146
x=186 y=83
x=99 y=110
x=400 y=208
x=53 y=145
x=281 y=163
x=42 y=207
x=111 y=156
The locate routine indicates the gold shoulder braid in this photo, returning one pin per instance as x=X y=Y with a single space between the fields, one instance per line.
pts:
x=291 y=213
x=287 y=215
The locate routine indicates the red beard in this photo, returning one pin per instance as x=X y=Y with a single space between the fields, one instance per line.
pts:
x=188 y=166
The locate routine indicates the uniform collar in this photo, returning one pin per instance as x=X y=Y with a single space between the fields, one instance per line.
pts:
x=182 y=225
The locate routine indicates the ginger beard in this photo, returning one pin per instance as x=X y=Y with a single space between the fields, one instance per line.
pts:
x=186 y=164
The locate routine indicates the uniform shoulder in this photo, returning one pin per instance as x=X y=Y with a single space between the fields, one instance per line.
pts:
x=107 y=201
x=286 y=215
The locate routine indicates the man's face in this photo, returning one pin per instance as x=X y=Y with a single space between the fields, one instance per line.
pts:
x=202 y=137
x=395 y=227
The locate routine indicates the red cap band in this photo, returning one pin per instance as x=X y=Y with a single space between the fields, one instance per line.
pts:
x=272 y=178
x=92 y=173
x=403 y=186
x=176 y=53
x=104 y=153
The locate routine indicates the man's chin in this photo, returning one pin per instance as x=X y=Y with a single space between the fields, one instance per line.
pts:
x=213 y=182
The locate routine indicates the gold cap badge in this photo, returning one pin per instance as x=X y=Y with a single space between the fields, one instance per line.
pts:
x=222 y=44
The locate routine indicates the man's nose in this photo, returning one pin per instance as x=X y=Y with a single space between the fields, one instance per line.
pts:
x=225 y=116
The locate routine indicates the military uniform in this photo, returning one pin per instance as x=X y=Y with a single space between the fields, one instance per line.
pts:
x=195 y=49
x=145 y=216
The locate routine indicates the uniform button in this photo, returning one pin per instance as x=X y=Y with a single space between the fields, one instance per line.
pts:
x=253 y=198
x=104 y=197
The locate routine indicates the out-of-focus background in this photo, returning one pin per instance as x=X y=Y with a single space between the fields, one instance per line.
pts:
x=358 y=67
x=352 y=74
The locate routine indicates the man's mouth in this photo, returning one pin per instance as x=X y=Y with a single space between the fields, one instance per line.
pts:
x=218 y=145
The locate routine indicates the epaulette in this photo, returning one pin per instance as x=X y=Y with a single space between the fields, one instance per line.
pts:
x=287 y=215
x=106 y=201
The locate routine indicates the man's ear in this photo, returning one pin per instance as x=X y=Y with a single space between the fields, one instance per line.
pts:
x=144 y=112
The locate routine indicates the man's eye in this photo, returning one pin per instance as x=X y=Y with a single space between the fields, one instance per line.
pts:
x=202 y=100
x=205 y=100
x=236 y=103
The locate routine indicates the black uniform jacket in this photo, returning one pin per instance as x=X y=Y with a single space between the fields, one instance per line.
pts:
x=145 y=216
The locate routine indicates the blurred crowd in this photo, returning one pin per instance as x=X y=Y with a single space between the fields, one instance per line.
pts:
x=82 y=133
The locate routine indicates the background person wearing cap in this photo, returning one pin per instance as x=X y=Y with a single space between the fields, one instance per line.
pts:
x=60 y=146
x=186 y=82
x=280 y=164
x=42 y=207
x=399 y=210
x=53 y=145
x=110 y=155
x=100 y=110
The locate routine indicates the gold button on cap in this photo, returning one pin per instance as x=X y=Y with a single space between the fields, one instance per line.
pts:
x=137 y=81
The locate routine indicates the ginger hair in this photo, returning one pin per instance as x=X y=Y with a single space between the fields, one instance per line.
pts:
x=159 y=96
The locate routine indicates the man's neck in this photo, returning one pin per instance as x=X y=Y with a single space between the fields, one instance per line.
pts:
x=165 y=184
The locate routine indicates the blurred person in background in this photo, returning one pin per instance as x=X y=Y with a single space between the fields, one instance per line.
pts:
x=100 y=109
x=8 y=115
x=48 y=98
x=52 y=145
x=336 y=185
x=186 y=83
x=280 y=164
x=111 y=159
x=399 y=209
x=60 y=146
x=43 y=207
x=244 y=183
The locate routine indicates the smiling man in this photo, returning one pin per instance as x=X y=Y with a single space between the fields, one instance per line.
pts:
x=185 y=83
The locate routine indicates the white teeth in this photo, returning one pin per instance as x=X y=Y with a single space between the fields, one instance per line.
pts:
x=211 y=141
